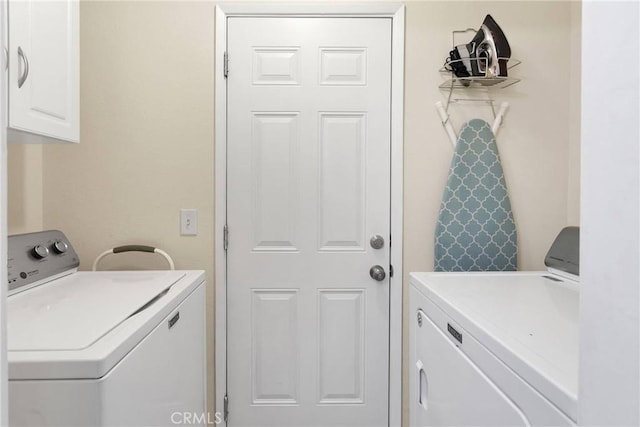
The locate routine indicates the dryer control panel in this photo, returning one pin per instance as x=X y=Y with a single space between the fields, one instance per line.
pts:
x=564 y=253
x=35 y=257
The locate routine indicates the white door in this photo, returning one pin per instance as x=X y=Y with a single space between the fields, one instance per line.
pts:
x=308 y=186
x=44 y=81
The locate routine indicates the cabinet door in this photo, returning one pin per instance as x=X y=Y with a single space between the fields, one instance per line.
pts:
x=44 y=54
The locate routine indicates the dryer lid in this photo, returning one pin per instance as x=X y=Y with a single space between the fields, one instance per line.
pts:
x=75 y=311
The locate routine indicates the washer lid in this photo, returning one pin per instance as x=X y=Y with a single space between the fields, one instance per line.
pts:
x=75 y=311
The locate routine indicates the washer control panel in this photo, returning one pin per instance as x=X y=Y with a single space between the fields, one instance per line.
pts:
x=34 y=257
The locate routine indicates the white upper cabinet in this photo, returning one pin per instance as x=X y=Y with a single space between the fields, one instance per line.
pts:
x=44 y=65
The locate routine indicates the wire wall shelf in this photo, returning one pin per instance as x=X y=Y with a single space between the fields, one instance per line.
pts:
x=474 y=82
x=478 y=88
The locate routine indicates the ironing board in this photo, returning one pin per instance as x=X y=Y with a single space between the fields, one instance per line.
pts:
x=475 y=229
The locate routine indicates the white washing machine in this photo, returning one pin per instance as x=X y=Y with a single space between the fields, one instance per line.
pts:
x=497 y=349
x=101 y=348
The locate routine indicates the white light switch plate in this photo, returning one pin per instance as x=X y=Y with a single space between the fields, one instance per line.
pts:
x=188 y=222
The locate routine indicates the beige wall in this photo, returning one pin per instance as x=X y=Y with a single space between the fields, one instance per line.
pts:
x=147 y=137
x=534 y=141
x=24 y=198
x=575 y=86
x=147 y=131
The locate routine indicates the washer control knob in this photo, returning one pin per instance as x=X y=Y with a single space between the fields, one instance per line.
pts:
x=40 y=251
x=59 y=247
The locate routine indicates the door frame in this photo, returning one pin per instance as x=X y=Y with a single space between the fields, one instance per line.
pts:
x=4 y=286
x=395 y=11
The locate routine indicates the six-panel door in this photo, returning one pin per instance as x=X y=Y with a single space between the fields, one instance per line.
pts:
x=308 y=185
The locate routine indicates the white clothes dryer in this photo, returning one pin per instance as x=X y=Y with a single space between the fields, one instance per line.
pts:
x=496 y=349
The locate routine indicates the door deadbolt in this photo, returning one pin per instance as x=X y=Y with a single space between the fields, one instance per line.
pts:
x=377 y=273
x=377 y=242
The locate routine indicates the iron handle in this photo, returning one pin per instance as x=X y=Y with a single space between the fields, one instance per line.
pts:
x=377 y=273
x=25 y=72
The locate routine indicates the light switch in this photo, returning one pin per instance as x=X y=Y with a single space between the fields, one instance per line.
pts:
x=188 y=222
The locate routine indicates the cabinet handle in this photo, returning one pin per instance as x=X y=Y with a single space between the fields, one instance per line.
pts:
x=6 y=58
x=25 y=72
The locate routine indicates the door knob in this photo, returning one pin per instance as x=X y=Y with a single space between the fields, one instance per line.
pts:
x=377 y=242
x=377 y=273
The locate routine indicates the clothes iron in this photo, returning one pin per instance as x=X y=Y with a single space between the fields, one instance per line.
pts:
x=485 y=56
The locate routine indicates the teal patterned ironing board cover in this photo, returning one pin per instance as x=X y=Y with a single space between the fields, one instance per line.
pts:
x=475 y=229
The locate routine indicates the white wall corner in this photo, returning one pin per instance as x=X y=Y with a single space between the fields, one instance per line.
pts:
x=609 y=376
x=4 y=372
